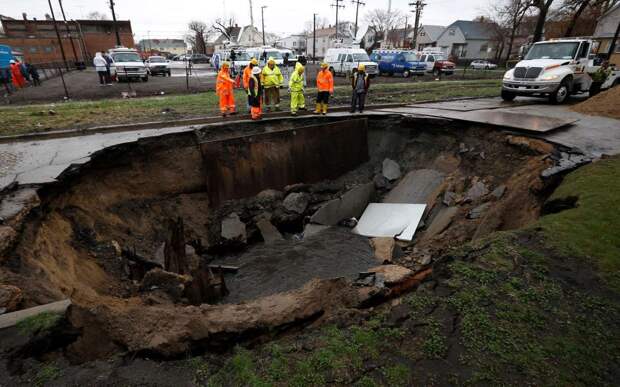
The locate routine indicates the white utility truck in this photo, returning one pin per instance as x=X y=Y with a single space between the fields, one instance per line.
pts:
x=555 y=69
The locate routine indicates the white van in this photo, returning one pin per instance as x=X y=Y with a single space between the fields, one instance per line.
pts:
x=342 y=61
x=260 y=52
x=242 y=59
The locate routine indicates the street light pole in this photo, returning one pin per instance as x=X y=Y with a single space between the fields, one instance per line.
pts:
x=262 y=16
x=337 y=6
x=118 y=36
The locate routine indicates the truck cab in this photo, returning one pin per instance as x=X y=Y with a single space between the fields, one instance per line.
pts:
x=436 y=62
x=402 y=62
x=343 y=61
x=552 y=69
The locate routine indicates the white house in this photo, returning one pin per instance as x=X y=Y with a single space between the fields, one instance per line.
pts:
x=428 y=35
x=295 y=43
x=326 y=38
x=605 y=31
x=247 y=36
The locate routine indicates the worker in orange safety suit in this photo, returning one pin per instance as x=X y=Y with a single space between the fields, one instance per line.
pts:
x=16 y=72
x=325 y=88
x=224 y=89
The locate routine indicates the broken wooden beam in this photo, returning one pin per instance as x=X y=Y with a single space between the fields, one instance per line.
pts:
x=225 y=268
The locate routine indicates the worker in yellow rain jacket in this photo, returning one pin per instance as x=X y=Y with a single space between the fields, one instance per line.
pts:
x=272 y=81
x=224 y=89
x=325 y=88
x=296 y=87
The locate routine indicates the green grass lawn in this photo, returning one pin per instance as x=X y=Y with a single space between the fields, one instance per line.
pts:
x=74 y=115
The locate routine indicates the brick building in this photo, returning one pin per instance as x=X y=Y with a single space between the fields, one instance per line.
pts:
x=37 y=40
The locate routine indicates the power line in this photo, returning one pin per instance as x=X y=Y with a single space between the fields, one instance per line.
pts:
x=419 y=6
x=337 y=6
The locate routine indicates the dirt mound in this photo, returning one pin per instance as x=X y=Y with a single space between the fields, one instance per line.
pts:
x=605 y=104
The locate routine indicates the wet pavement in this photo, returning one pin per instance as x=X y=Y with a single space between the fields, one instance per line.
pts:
x=41 y=161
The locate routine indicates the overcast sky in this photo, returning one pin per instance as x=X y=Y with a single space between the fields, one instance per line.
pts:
x=169 y=18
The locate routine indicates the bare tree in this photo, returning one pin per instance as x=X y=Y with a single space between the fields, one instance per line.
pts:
x=510 y=16
x=576 y=9
x=96 y=15
x=381 y=21
x=543 y=9
x=223 y=26
x=198 y=30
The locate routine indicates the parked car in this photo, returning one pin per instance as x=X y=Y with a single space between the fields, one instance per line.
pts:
x=158 y=65
x=342 y=61
x=436 y=62
x=199 y=58
x=127 y=64
x=482 y=65
x=402 y=62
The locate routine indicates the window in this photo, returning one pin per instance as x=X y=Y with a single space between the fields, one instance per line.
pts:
x=349 y=58
x=484 y=47
x=451 y=32
x=422 y=33
x=294 y=44
x=33 y=50
x=585 y=48
x=431 y=58
x=48 y=49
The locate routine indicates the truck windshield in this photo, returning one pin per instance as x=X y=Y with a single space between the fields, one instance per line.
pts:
x=274 y=54
x=361 y=58
x=126 y=57
x=566 y=50
x=242 y=57
x=411 y=57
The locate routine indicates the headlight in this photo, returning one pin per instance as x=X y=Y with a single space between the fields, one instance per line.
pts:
x=508 y=75
x=120 y=68
x=550 y=77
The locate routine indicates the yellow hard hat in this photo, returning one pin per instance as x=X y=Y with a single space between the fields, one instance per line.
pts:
x=271 y=60
x=324 y=65
x=299 y=67
x=225 y=64
x=254 y=61
x=361 y=67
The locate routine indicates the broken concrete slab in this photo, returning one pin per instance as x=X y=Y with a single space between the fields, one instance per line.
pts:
x=390 y=220
x=233 y=229
x=385 y=249
x=268 y=231
x=442 y=220
x=449 y=198
x=477 y=191
x=417 y=186
x=313 y=229
x=10 y=298
x=296 y=202
x=499 y=192
x=391 y=169
x=10 y=319
x=478 y=211
x=350 y=205
x=398 y=279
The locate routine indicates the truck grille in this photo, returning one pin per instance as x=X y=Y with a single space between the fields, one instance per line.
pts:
x=530 y=73
x=371 y=69
x=130 y=69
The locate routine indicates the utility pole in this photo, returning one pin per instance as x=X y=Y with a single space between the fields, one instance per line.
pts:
x=419 y=6
x=62 y=50
x=314 y=37
x=118 y=36
x=357 y=9
x=251 y=23
x=337 y=6
x=68 y=32
x=405 y=33
x=262 y=17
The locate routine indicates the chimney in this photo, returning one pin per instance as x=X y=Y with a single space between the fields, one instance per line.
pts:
x=25 y=16
x=48 y=17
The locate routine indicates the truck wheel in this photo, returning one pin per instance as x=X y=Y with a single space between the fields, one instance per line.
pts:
x=145 y=79
x=508 y=95
x=406 y=73
x=561 y=94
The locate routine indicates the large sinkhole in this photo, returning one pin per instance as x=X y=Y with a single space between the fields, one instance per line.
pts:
x=190 y=240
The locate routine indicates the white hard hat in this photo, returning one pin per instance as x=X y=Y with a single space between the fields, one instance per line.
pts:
x=256 y=70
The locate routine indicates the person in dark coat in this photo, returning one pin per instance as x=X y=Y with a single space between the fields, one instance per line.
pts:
x=34 y=74
x=360 y=82
x=255 y=92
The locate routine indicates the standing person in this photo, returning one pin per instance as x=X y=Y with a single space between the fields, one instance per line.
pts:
x=255 y=90
x=325 y=88
x=272 y=81
x=108 y=75
x=34 y=74
x=285 y=61
x=360 y=83
x=224 y=89
x=23 y=67
x=296 y=87
x=247 y=72
x=233 y=57
x=16 y=75
x=101 y=67
x=5 y=79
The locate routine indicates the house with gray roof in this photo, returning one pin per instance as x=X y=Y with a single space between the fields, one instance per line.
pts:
x=428 y=35
x=467 y=40
x=606 y=30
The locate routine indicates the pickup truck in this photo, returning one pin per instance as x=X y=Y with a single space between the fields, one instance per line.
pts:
x=554 y=69
x=436 y=63
x=401 y=62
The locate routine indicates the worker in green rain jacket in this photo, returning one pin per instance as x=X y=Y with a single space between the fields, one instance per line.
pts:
x=296 y=87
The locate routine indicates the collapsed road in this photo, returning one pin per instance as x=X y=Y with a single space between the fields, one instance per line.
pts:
x=197 y=240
